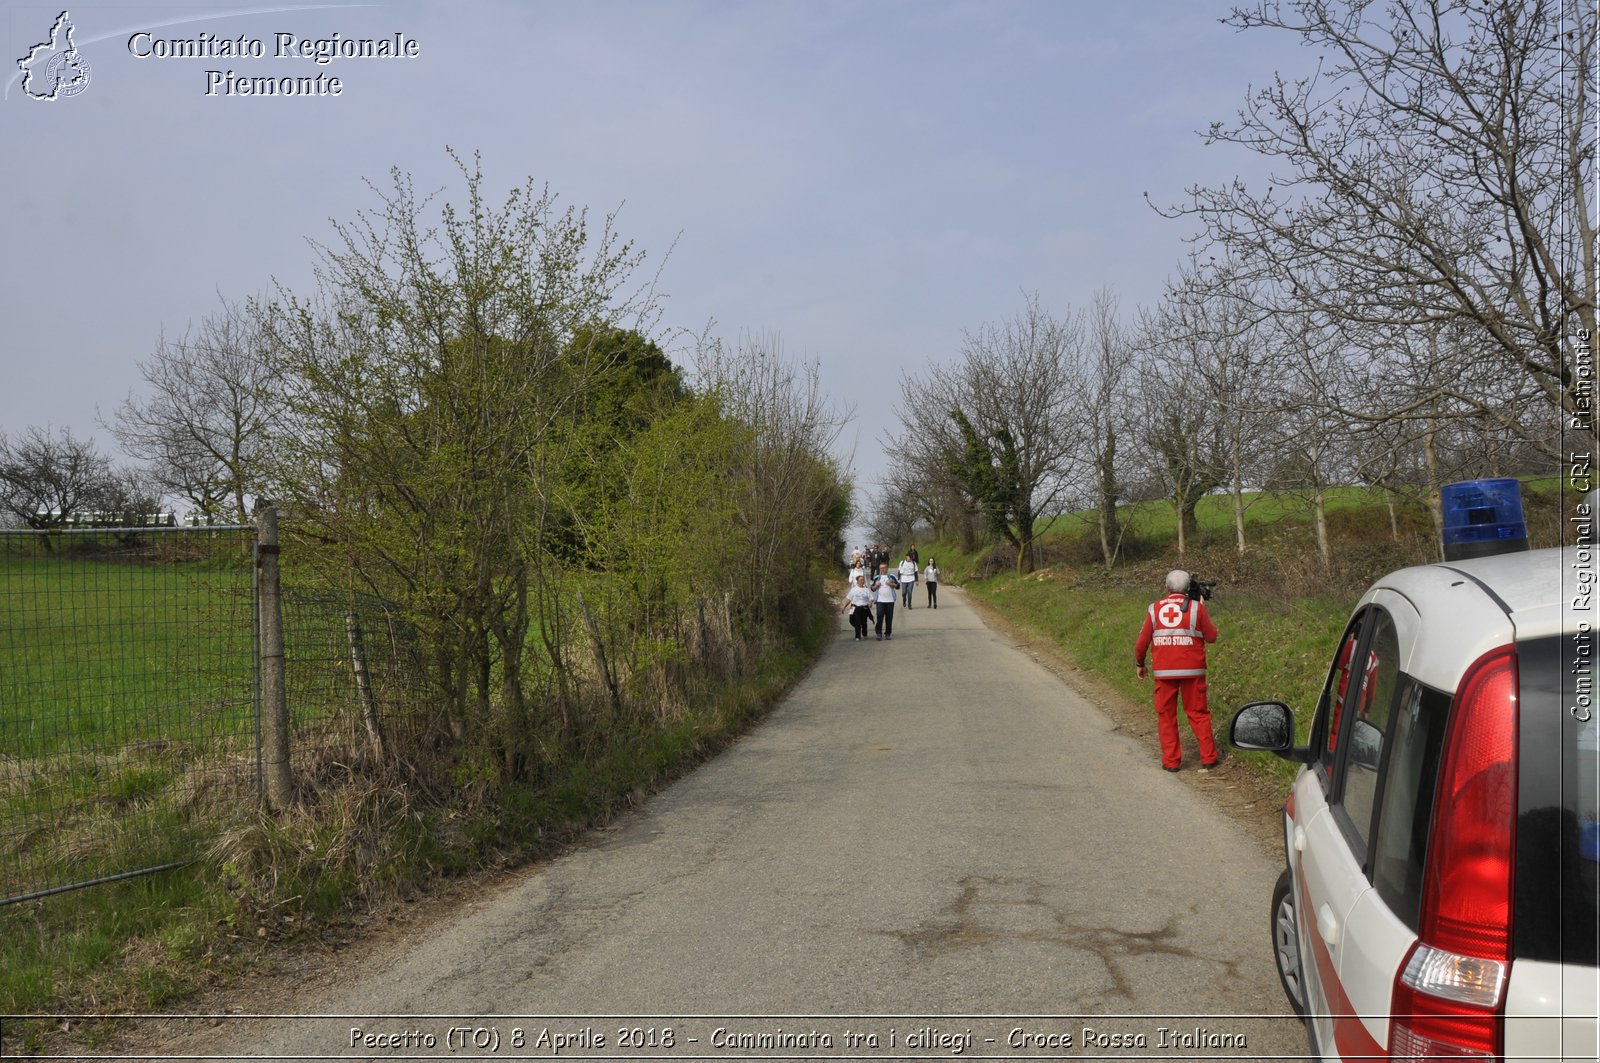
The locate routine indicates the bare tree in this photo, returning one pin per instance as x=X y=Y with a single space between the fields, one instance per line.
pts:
x=1005 y=421
x=921 y=484
x=1312 y=447
x=1182 y=440
x=1436 y=167
x=1109 y=367
x=894 y=516
x=201 y=427
x=1432 y=393
x=49 y=477
x=1216 y=307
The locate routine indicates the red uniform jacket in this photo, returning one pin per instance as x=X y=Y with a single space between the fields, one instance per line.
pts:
x=1175 y=632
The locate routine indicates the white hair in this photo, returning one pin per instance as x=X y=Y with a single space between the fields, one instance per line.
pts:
x=1177 y=580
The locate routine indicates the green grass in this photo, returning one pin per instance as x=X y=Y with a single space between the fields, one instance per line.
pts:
x=1280 y=612
x=1270 y=648
x=135 y=941
x=357 y=837
x=127 y=682
x=101 y=654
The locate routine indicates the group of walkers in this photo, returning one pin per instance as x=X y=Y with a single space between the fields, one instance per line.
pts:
x=1174 y=635
x=874 y=589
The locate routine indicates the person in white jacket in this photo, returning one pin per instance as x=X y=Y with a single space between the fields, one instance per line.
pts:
x=884 y=589
x=908 y=579
x=930 y=576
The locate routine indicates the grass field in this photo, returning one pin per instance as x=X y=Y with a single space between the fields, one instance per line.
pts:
x=101 y=654
x=126 y=689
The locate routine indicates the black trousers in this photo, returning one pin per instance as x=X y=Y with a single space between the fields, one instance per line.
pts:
x=859 y=615
x=885 y=622
x=933 y=594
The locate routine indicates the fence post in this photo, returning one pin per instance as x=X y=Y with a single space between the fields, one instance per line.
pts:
x=274 y=698
x=369 y=704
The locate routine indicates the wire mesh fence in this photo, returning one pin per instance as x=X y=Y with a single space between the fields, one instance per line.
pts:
x=351 y=679
x=127 y=699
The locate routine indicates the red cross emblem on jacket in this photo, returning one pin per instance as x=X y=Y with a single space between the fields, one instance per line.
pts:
x=1175 y=633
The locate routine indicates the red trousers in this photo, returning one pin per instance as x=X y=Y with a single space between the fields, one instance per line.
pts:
x=1193 y=690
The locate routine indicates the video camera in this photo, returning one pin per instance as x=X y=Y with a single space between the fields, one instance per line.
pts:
x=1200 y=589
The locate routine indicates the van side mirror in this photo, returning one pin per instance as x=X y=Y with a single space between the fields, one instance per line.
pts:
x=1268 y=726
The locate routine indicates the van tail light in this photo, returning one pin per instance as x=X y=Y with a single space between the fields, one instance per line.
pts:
x=1448 y=998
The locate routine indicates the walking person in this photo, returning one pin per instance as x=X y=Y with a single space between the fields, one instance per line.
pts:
x=858 y=567
x=885 y=589
x=908 y=579
x=930 y=576
x=1175 y=632
x=858 y=603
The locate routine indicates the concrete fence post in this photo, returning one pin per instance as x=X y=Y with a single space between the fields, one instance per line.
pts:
x=277 y=784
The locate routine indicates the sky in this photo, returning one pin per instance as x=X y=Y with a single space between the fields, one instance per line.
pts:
x=861 y=181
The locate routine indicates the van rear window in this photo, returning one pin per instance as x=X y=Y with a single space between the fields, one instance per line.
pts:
x=1558 y=803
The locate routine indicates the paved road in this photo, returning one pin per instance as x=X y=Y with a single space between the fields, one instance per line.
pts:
x=931 y=835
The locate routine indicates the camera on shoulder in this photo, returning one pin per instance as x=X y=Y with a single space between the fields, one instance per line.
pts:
x=1200 y=589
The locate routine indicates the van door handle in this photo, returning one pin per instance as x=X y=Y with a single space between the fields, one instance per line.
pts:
x=1327 y=924
x=1299 y=839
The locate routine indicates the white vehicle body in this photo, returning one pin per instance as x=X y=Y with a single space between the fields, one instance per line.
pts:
x=1442 y=839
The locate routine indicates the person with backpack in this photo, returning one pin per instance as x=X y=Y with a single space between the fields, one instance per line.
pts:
x=908 y=579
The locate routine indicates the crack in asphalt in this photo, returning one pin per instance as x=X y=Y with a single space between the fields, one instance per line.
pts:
x=958 y=927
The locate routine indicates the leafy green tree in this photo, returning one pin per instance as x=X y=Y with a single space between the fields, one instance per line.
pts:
x=627 y=383
x=425 y=391
x=989 y=470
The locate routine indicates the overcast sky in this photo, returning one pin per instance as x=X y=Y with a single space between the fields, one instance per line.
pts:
x=863 y=180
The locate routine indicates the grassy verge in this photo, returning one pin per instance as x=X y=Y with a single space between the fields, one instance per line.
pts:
x=1270 y=647
x=1279 y=611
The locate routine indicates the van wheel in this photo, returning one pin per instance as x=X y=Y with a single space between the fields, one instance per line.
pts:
x=1286 y=943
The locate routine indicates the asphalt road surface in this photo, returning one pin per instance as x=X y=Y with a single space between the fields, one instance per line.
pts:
x=932 y=849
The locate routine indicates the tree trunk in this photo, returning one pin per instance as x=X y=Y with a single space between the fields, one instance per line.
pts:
x=1110 y=533
x=1238 y=498
x=1025 y=559
x=600 y=657
x=1324 y=550
x=1430 y=457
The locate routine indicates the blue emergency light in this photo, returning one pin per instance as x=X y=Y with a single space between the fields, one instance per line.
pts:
x=1482 y=517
